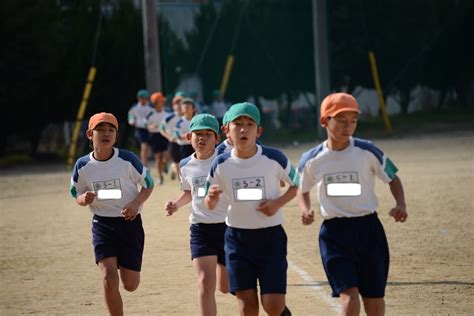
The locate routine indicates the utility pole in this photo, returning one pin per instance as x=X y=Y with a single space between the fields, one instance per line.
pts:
x=151 y=46
x=321 y=57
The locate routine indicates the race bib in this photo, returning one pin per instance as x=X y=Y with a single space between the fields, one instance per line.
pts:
x=249 y=189
x=342 y=184
x=108 y=190
x=199 y=187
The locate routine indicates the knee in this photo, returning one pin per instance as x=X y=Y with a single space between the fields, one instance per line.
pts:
x=350 y=299
x=274 y=309
x=205 y=286
x=110 y=280
x=131 y=286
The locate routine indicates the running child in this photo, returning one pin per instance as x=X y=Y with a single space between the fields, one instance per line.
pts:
x=137 y=118
x=255 y=241
x=188 y=110
x=106 y=180
x=158 y=143
x=167 y=129
x=207 y=228
x=352 y=241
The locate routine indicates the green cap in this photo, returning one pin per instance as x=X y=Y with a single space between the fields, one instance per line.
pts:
x=143 y=93
x=204 y=121
x=225 y=121
x=242 y=109
x=180 y=94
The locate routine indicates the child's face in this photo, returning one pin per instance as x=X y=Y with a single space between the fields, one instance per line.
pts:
x=103 y=136
x=342 y=126
x=187 y=110
x=142 y=101
x=159 y=104
x=203 y=141
x=177 y=107
x=243 y=131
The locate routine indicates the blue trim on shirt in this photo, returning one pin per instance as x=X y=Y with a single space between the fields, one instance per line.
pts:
x=275 y=154
x=169 y=117
x=221 y=148
x=80 y=163
x=218 y=160
x=310 y=154
x=132 y=158
x=185 y=161
x=178 y=123
x=367 y=145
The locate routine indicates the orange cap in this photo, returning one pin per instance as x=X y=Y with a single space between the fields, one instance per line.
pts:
x=338 y=102
x=157 y=96
x=102 y=117
x=177 y=99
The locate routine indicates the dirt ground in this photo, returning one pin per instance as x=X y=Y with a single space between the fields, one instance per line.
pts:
x=47 y=264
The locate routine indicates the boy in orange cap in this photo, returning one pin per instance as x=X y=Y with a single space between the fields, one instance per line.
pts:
x=107 y=181
x=158 y=143
x=352 y=241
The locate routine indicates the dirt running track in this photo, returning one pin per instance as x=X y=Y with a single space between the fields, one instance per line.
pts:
x=47 y=265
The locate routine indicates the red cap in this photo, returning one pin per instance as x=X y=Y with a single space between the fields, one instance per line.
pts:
x=157 y=96
x=102 y=117
x=338 y=102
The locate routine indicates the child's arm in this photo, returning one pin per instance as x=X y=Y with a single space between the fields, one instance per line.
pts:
x=86 y=198
x=399 y=212
x=270 y=207
x=130 y=210
x=307 y=213
x=172 y=206
x=212 y=197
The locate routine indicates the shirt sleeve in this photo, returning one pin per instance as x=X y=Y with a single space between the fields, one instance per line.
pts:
x=381 y=165
x=307 y=179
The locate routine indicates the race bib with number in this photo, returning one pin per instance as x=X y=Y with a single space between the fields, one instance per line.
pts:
x=342 y=184
x=108 y=190
x=249 y=189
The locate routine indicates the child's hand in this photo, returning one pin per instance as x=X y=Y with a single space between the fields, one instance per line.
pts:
x=130 y=211
x=268 y=207
x=170 y=208
x=399 y=213
x=307 y=217
x=214 y=192
x=87 y=198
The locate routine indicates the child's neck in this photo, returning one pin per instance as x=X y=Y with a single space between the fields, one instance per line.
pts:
x=245 y=153
x=204 y=156
x=337 y=145
x=103 y=154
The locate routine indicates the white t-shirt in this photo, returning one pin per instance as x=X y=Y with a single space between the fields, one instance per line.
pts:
x=354 y=167
x=123 y=171
x=138 y=114
x=169 y=122
x=180 y=130
x=193 y=178
x=224 y=147
x=245 y=183
x=154 y=119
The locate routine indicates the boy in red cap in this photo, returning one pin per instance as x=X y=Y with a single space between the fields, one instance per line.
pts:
x=158 y=143
x=107 y=181
x=352 y=241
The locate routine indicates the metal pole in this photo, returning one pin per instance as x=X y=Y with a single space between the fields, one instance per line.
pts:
x=151 y=46
x=321 y=57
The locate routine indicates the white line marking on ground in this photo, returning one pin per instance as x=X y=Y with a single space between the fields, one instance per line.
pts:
x=312 y=284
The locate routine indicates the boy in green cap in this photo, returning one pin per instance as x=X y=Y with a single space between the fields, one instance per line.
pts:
x=248 y=178
x=207 y=227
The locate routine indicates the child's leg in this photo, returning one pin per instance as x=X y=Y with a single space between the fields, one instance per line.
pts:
x=206 y=281
x=248 y=302
x=159 y=165
x=130 y=279
x=222 y=279
x=273 y=304
x=144 y=153
x=374 y=306
x=110 y=279
x=350 y=301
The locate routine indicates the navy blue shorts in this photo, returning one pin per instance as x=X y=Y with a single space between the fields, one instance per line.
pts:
x=142 y=135
x=175 y=152
x=186 y=150
x=207 y=240
x=158 y=143
x=116 y=237
x=256 y=254
x=355 y=253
